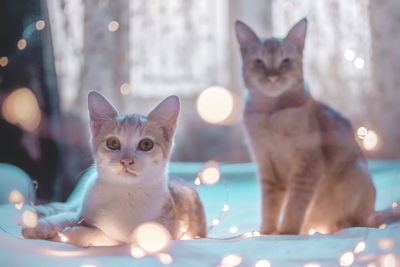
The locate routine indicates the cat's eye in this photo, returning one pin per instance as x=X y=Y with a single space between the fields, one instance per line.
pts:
x=285 y=63
x=146 y=144
x=258 y=63
x=113 y=143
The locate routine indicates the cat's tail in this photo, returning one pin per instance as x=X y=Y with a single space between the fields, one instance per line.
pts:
x=380 y=219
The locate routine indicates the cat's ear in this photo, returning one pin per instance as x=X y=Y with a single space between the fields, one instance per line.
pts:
x=297 y=34
x=166 y=113
x=245 y=35
x=100 y=110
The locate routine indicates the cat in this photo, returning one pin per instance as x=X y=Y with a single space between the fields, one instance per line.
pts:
x=128 y=185
x=313 y=173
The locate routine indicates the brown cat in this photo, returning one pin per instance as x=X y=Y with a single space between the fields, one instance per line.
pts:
x=128 y=185
x=312 y=171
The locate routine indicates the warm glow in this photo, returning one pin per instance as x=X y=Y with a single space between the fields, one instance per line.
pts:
x=15 y=197
x=262 y=263
x=385 y=243
x=362 y=132
x=394 y=205
x=22 y=108
x=360 y=247
x=3 y=61
x=197 y=181
x=231 y=260
x=359 y=63
x=215 y=104
x=125 y=89
x=63 y=237
x=165 y=258
x=311 y=231
x=371 y=140
x=256 y=233
x=346 y=259
x=312 y=264
x=382 y=226
x=113 y=26
x=389 y=260
x=210 y=174
x=29 y=219
x=137 y=252
x=40 y=24
x=349 y=55
x=371 y=264
x=19 y=206
x=225 y=208
x=21 y=44
x=152 y=237
x=186 y=236
x=233 y=229
x=215 y=222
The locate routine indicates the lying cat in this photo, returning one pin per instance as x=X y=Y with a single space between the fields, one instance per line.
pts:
x=313 y=173
x=128 y=185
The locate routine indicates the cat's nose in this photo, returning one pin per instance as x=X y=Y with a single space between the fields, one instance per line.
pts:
x=127 y=161
x=273 y=78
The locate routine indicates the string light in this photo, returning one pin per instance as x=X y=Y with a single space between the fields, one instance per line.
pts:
x=359 y=63
x=346 y=259
x=165 y=258
x=262 y=263
x=312 y=231
x=231 y=260
x=113 y=26
x=349 y=54
x=152 y=237
x=389 y=260
x=394 y=205
x=29 y=219
x=371 y=140
x=3 y=61
x=233 y=229
x=360 y=247
x=385 y=244
x=210 y=173
x=197 y=181
x=215 y=222
x=362 y=132
x=21 y=44
x=63 y=238
x=15 y=197
x=215 y=104
x=40 y=24
x=137 y=252
x=225 y=208
x=125 y=89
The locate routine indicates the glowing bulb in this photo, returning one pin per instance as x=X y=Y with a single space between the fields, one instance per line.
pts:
x=40 y=24
x=359 y=63
x=29 y=219
x=215 y=222
x=362 y=132
x=394 y=205
x=15 y=197
x=262 y=263
x=385 y=243
x=210 y=174
x=125 y=89
x=225 y=208
x=349 y=54
x=186 y=236
x=137 y=252
x=215 y=104
x=3 y=61
x=312 y=264
x=382 y=226
x=371 y=140
x=165 y=258
x=247 y=235
x=231 y=260
x=152 y=237
x=360 y=247
x=256 y=233
x=389 y=260
x=19 y=206
x=63 y=237
x=21 y=44
x=113 y=26
x=346 y=259
x=197 y=181
x=233 y=229
x=311 y=231
x=22 y=108
x=183 y=230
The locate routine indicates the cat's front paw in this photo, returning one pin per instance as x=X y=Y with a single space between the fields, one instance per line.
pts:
x=43 y=230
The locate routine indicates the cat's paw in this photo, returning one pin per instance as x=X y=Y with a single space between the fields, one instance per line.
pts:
x=43 y=230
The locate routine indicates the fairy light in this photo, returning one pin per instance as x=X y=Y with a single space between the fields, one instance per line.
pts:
x=215 y=104
x=225 y=208
x=210 y=173
x=389 y=260
x=197 y=181
x=40 y=24
x=125 y=89
x=312 y=264
x=382 y=226
x=255 y=233
x=349 y=55
x=346 y=259
x=362 y=132
x=371 y=140
x=233 y=229
x=152 y=237
x=312 y=231
x=3 y=61
x=215 y=222
x=15 y=197
x=394 y=205
x=113 y=26
x=262 y=263
x=360 y=247
x=21 y=44
x=137 y=252
x=359 y=63
x=385 y=243
x=29 y=219
x=231 y=260
x=63 y=238
x=165 y=258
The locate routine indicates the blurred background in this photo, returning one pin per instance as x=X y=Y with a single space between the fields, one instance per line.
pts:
x=137 y=52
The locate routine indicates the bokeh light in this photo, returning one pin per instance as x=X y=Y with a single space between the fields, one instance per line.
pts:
x=394 y=205
x=349 y=54
x=21 y=44
x=210 y=173
x=371 y=140
x=362 y=132
x=215 y=104
x=389 y=260
x=346 y=259
x=233 y=229
x=359 y=63
x=137 y=252
x=22 y=108
x=311 y=231
x=29 y=219
x=152 y=237
x=215 y=222
x=225 y=208
x=385 y=243
x=40 y=24
x=113 y=26
x=312 y=264
x=231 y=260
x=125 y=89
x=360 y=247
x=3 y=61
x=165 y=258
x=15 y=197
x=262 y=263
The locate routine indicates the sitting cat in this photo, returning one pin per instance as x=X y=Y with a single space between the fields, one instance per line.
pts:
x=313 y=173
x=128 y=184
